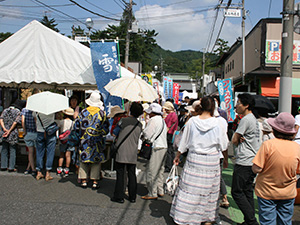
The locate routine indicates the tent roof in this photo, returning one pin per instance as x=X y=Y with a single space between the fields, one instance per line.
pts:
x=36 y=56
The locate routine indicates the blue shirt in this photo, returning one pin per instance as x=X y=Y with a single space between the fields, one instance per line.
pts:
x=29 y=120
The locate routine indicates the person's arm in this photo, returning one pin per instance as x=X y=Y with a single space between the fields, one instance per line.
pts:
x=225 y=161
x=13 y=126
x=236 y=138
x=176 y=160
x=2 y=125
x=23 y=125
x=297 y=128
x=76 y=112
x=256 y=169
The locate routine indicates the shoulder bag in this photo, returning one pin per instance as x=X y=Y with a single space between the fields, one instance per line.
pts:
x=114 y=148
x=146 y=149
x=51 y=129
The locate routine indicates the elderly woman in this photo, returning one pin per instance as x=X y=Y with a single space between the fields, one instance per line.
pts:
x=196 y=198
x=128 y=131
x=92 y=126
x=172 y=124
x=277 y=162
x=9 y=119
x=156 y=132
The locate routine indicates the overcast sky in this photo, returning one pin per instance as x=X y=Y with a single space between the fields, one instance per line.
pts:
x=181 y=24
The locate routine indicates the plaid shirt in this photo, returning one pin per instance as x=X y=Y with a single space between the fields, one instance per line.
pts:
x=29 y=120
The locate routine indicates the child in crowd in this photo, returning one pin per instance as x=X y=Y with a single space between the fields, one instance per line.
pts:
x=65 y=150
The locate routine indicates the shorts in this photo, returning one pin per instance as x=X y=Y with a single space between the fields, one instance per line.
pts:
x=65 y=147
x=30 y=139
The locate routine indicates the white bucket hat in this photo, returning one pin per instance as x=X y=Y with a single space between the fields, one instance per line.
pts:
x=154 y=108
x=69 y=111
x=94 y=100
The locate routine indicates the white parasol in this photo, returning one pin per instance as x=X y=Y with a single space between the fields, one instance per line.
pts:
x=47 y=102
x=132 y=88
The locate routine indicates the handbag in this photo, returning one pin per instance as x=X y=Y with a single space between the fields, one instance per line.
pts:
x=114 y=147
x=172 y=181
x=63 y=137
x=177 y=138
x=74 y=137
x=146 y=149
x=51 y=129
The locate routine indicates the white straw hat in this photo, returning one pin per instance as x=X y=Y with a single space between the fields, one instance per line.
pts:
x=154 y=108
x=94 y=100
x=114 y=110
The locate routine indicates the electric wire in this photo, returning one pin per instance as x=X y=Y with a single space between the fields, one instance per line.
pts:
x=35 y=6
x=97 y=14
x=118 y=4
x=270 y=4
x=114 y=14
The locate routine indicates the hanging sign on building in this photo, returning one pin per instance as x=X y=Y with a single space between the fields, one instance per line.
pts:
x=226 y=103
x=273 y=51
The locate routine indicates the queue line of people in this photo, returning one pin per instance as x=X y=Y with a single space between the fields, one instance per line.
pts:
x=204 y=141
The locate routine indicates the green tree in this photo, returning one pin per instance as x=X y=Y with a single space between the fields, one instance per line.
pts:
x=77 y=31
x=4 y=36
x=49 y=23
x=141 y=44
x=222 y=47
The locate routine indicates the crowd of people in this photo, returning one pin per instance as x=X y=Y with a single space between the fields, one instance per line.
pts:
x=264 y=146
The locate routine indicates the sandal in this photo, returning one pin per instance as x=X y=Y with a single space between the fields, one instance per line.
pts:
x=48 y=178
x=84 y=184
x=95 y=186
x=39 y=176
x=12 y=171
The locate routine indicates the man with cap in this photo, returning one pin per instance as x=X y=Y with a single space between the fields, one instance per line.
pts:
x=297 y=125
x=156 y=132
x=172 y=125
x=277 y=162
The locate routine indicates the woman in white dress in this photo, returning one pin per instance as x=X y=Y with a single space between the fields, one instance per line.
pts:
x=196 y=198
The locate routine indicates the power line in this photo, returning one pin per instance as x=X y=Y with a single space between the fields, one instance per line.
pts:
x=269 y=8
x=97 y=14
x=118 y=4
x=34 y=6
x=101 y=8
x=58 y=11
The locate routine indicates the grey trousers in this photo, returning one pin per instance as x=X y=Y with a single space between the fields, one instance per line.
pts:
x=155 y=172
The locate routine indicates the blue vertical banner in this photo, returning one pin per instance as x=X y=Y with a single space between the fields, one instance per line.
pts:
x=226 y=99
x=165 y=86
x=106 y=68
x=170 y=82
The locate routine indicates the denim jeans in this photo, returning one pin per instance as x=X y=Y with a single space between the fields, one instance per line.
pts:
x=275 y=212
x=45 y=143
x=242 y=192
x=11 y=149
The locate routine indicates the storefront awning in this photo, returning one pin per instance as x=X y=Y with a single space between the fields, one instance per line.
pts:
x=270 y=87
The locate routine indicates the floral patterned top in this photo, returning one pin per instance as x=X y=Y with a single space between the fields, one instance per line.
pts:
x=92 y=126
x=9 y=116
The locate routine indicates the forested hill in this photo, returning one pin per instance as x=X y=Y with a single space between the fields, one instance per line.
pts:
x=180 y=61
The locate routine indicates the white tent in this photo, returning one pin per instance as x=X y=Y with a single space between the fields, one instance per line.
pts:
x=37 y=56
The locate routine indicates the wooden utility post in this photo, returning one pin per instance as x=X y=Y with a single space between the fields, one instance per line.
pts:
x=128 y=34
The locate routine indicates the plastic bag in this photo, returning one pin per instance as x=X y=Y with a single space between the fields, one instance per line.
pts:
x=172 y=181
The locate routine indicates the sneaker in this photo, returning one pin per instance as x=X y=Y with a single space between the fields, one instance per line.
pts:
x=27 y=172
x=59 y=171
x=66 y=172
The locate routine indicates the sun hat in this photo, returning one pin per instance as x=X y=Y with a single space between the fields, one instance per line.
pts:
x=169 y=106
x=114 y=110
x=69 y=111
x=19 y=104
x=154 y=108
x=266 y=126
x=145 y=106
x=191 y=108
x=94 y=100
x=284 y=123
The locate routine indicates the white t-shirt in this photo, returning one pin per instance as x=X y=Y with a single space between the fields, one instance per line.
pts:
x=64 y=125
x=297 y=137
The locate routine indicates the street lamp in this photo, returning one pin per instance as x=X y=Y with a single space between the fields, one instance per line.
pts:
x=89 y=24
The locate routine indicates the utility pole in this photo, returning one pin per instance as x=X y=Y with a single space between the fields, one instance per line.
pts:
x=286 y=65
x=243 y=41
x=128 y=33
x=203 y=70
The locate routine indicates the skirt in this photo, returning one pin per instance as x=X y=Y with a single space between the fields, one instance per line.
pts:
x=196 y=198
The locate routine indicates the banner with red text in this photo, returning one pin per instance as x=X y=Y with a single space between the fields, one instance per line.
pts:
x=176 y=88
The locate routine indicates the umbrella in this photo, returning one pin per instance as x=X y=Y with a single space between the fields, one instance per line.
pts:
x=132 y=88
x=47 y=102
x=262 y=102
